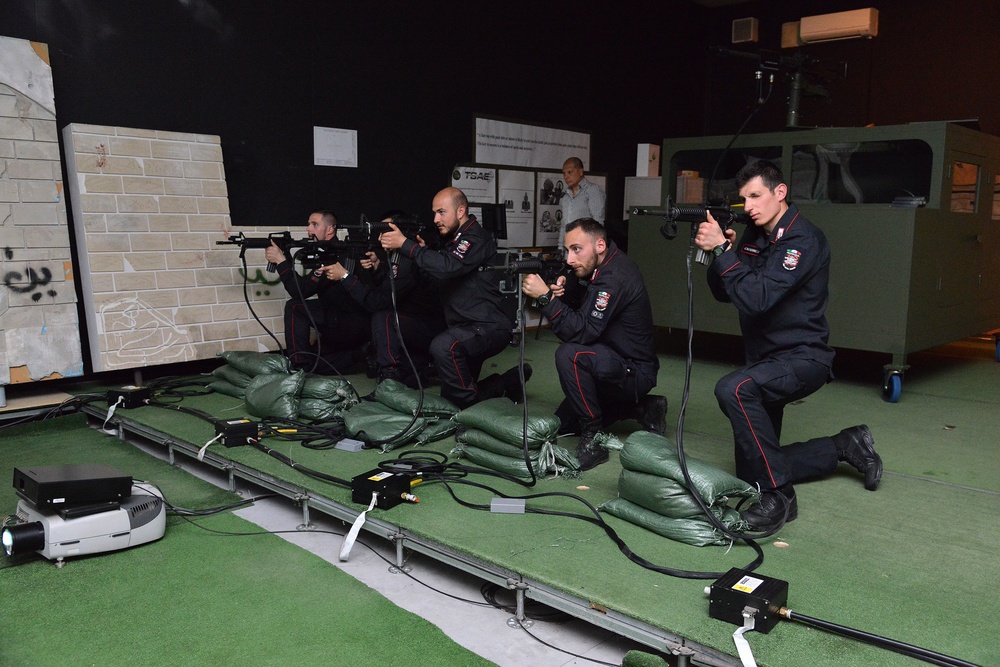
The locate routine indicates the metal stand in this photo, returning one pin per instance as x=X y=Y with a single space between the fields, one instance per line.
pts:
x=306 y=523
x=519 y=620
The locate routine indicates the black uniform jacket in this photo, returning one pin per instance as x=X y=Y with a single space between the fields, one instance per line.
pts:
x=469 y=295
x=779 y=284
x=416 y=292
x=303 y=287
x=615 y=311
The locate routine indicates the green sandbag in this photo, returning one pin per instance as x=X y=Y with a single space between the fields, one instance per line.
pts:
x=484 y=440
x=560 y=455
x=653 y=454
x=695 y=532
x=435 y=430
x=503 y=419
x=658 y=494
x=330 y=389
x=227 y=388
x=401 y=398
x=274 y=395
x=318 y=409
x=256 y=363
x=515 y=467
x=232 y=375
x=374 y=422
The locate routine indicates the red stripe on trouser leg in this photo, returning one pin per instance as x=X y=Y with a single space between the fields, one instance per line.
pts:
x=576 y=371
x=454 y=362
x=754 y=433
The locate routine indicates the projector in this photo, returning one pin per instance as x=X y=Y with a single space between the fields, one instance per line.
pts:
x=82 y=530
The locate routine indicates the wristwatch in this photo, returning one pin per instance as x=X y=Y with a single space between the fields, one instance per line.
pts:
x=719 y=249
x=544 y=299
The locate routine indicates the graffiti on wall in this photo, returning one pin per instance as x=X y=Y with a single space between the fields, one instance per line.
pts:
x=139 y=333
x=36 y=280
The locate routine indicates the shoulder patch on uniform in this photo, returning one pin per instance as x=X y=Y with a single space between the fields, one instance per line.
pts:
x=602 y=301
x=462 y=247
x=791 y=260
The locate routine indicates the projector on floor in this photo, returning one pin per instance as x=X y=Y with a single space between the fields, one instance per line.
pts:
x=57 y=530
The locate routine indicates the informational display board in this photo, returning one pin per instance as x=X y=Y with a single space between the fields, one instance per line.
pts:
x=532 y=200
x=515 y=188
x=514 y=144
x=478 y=183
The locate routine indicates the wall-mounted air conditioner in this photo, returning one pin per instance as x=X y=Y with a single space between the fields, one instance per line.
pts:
x=840 y=25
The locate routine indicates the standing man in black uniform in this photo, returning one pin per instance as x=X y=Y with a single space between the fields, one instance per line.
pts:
x=342 y=326
x=478 y=326
x=607 y=360
x=417 y=305
x=777 y=277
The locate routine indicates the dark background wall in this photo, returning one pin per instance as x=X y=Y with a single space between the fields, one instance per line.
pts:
x=411 y=76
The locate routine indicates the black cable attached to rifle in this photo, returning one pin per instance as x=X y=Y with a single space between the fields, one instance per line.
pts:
x=246 y=295
x=406 y=432
x=679 y=433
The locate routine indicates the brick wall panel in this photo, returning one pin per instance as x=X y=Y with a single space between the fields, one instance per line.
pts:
x=173 y=209
x=39 y=330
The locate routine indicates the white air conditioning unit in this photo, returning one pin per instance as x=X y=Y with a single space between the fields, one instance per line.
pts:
x=840 y=25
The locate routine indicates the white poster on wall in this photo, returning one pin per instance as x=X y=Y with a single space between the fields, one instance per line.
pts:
x=549 y=189
x=335 y=147
x=516 y=194
x=521 y=145
x=478 y=183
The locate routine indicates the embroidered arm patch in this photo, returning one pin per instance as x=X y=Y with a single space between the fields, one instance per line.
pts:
x=791 y=261
x=601 y=303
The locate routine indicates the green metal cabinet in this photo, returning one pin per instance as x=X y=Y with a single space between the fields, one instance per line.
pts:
x=904 y=277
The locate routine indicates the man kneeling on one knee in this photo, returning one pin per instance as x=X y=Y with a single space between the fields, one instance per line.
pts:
x=607 y=360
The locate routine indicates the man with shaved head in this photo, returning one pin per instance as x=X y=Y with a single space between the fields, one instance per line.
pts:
x=478 y=325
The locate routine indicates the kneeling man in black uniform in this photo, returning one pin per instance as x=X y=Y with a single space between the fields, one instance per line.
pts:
x=478 y=324
x=607 y=361
x=777 y=277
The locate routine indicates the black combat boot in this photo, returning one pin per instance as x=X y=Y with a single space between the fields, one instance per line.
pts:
x=651 y=413
x=588 y=452
x=857 y=446
x=512 y=383
x=770 y=511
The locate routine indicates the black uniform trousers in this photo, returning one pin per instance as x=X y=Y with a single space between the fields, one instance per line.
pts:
x=598 y=384
x=339 y=334
x=754 y=398
x=459 y=353
x=413 y=332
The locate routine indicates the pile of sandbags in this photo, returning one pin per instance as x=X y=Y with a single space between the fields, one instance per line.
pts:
x=652 y=493
x=493 y=434
x=398 y=416
x=268 y=387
